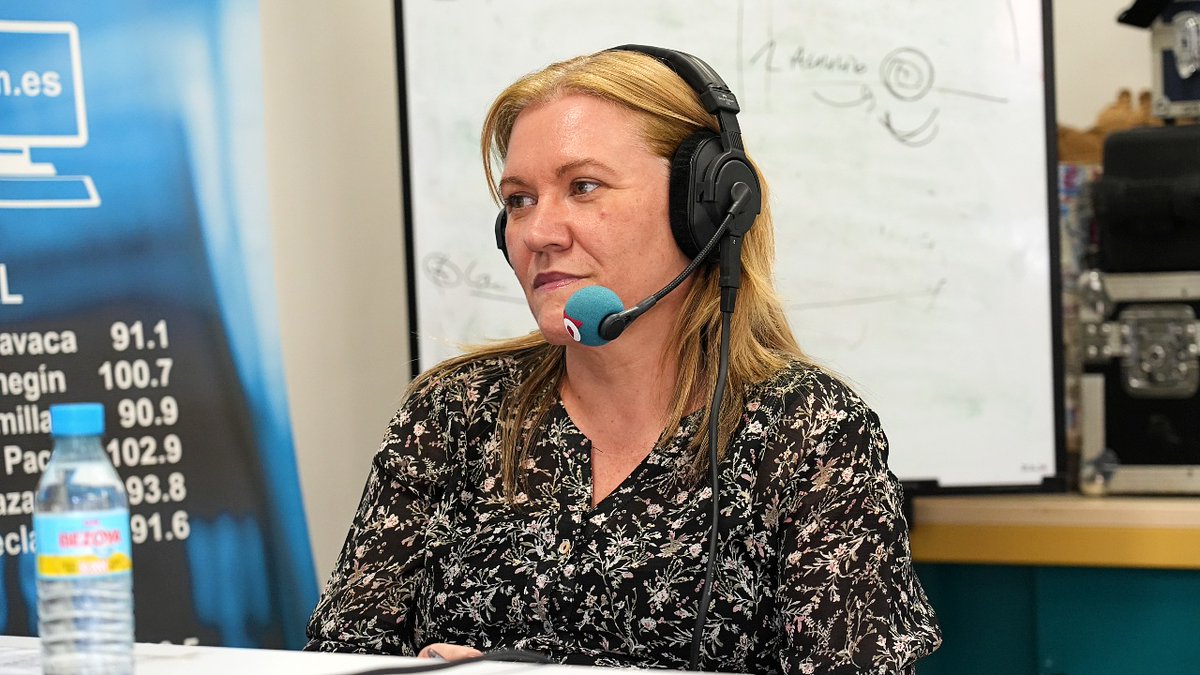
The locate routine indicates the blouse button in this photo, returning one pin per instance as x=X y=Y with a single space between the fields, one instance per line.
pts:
x=565 y=547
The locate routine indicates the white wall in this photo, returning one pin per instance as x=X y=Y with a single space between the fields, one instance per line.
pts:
x=1094 y=56
x=334 y=179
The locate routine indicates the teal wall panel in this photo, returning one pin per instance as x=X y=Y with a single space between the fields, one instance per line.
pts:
x=986 y=617
x=1011 y=620
x=1118 y=621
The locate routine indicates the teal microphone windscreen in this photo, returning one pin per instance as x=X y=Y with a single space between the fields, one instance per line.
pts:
x=585 y=309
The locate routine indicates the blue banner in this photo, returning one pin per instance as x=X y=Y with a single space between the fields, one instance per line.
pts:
x=135 y=270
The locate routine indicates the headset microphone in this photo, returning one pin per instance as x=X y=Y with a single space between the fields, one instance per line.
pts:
x=595 y=316
x=586 y=310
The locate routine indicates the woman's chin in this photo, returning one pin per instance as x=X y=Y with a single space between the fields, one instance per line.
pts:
x=556 y=335
x=550 y=324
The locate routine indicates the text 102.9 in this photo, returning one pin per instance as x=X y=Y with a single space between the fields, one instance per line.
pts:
x=144 y=451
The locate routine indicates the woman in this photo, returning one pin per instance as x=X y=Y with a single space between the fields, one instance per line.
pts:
x=542 y=495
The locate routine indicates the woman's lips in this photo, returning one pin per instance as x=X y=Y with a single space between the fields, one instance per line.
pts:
x=548 y=281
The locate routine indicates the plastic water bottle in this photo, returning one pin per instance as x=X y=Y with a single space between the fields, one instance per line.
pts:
x=84 y=564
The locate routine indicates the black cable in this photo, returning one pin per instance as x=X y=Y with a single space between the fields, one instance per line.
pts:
x=509 y=655
x=714 y=419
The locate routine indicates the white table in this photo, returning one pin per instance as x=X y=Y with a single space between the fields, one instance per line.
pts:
x=22 y=656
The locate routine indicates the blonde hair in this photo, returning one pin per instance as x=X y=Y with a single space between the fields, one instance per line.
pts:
x=761 y=342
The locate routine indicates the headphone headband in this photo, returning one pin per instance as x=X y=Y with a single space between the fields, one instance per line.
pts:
x=714 y=94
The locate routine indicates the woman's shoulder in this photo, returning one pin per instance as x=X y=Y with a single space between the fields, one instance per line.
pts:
x=817 y=422
x=447 y=399
x=471 y=373
x=805 y=385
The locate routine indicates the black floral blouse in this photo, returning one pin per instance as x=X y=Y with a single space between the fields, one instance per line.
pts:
x=814 y=573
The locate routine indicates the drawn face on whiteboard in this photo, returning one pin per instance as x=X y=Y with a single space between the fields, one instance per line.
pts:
x=587 y=205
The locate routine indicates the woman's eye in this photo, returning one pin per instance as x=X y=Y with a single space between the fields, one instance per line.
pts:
x=518 y=201
x=583 y=187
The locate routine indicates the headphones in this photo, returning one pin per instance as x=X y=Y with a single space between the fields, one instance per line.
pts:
x=705 y=166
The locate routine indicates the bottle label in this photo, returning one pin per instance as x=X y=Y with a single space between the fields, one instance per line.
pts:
x=83 y=544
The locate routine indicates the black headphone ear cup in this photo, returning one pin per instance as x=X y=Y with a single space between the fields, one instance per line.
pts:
x=501 y=224
x=733 y=168
x=692 y=222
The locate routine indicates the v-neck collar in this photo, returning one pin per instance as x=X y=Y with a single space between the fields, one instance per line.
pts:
x=662 y=458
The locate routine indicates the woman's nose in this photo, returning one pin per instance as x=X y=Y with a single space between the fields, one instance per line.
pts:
x=547 y=227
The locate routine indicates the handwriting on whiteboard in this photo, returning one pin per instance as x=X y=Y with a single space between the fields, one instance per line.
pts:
x=444 y=272
x=905 y=75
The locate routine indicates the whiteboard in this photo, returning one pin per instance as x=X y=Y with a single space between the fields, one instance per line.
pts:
x=905 y=146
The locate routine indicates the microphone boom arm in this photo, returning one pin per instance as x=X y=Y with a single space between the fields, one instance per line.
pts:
x=614 y=324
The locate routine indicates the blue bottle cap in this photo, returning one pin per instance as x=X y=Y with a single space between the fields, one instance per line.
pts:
x=77 y=419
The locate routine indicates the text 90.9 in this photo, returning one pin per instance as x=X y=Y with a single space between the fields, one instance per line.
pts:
x=143 y=412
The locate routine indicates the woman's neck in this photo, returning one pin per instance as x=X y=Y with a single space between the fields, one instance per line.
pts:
x=639 y=385
x=626 y=388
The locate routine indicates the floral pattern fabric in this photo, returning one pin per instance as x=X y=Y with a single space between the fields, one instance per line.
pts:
x=813 y=573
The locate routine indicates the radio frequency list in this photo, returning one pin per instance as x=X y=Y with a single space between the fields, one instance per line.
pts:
x=144 y=447
x=133 y=380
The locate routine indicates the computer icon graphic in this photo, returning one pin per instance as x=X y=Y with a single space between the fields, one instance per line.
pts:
x=41 y=106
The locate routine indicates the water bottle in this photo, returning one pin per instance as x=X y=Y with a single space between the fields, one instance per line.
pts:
x=84 y=563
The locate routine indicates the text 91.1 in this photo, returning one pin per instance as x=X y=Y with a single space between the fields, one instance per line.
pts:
x=133 y=336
